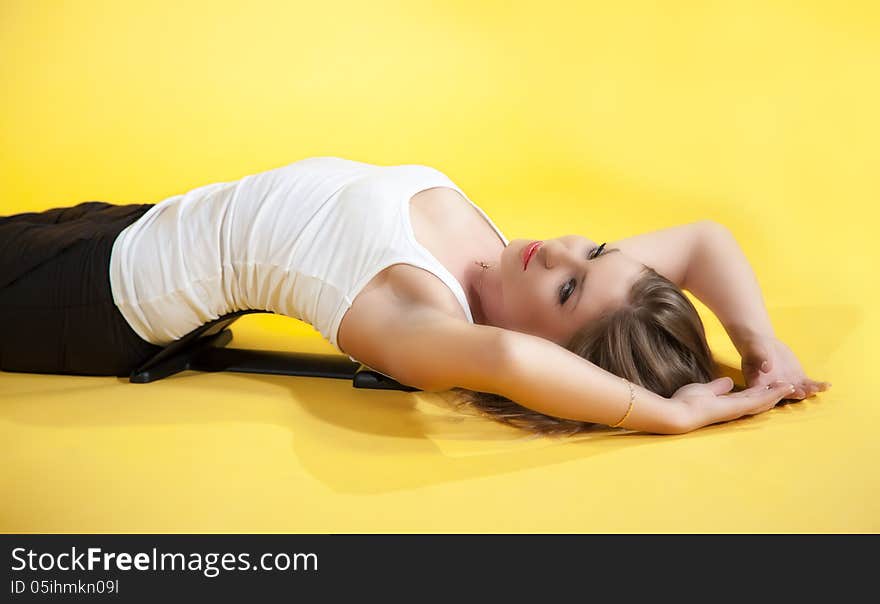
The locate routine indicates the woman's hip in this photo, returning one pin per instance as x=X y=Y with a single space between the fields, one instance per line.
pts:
x=57 y=313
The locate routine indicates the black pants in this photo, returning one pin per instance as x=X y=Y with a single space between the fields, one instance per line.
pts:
x=56 y=308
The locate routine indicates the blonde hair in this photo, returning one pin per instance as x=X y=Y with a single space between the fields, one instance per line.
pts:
x=655 y=339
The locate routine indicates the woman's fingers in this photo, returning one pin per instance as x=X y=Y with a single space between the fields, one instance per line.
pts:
x=811 y=387
x=773 y=395
x=803 y=388
x=820 y=386
x=755 y=400
x=760 y=389
x=721 y=385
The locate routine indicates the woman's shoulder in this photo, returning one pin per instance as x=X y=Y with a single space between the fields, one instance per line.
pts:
x=419 y=344
x=399 y=294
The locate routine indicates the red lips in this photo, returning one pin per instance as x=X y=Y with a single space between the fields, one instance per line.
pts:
x=529 y=251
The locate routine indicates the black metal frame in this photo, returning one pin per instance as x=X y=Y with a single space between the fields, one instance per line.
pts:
x=204 y=349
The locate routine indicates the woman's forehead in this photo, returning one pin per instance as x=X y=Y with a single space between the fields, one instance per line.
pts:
x=619 y=274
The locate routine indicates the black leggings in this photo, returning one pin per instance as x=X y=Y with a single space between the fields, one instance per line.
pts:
x=56 y=308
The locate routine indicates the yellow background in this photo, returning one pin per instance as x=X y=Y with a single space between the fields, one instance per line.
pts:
x=599 y=118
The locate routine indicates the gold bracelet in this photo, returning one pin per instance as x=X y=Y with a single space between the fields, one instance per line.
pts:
x=632 y=397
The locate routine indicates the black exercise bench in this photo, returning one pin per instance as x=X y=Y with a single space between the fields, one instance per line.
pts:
x=203 y=349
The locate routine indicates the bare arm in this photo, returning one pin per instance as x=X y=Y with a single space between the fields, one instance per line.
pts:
x=546 y=377
x=704 y=258
x=720 y=276
x=434 y=351
x=668 y=251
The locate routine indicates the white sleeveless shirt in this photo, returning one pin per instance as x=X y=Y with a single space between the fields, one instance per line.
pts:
x=300 y=240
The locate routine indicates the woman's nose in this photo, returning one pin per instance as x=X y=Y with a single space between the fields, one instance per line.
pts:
x=555 y=254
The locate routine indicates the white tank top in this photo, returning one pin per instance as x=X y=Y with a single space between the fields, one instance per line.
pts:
x=300 y=240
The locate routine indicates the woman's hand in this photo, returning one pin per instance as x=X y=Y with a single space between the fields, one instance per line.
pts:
x=704 y=404
x=765 y=359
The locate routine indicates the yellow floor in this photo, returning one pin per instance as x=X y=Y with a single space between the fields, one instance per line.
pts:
x=604 y=120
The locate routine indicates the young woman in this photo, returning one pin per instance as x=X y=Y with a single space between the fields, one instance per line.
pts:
x=400 y=270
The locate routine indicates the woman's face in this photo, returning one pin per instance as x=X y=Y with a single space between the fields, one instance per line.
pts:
x=564 y=285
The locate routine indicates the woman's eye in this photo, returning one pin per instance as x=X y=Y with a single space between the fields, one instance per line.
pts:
x=565 y=292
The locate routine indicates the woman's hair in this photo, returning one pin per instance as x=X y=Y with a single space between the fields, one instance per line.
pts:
x=655 y=339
